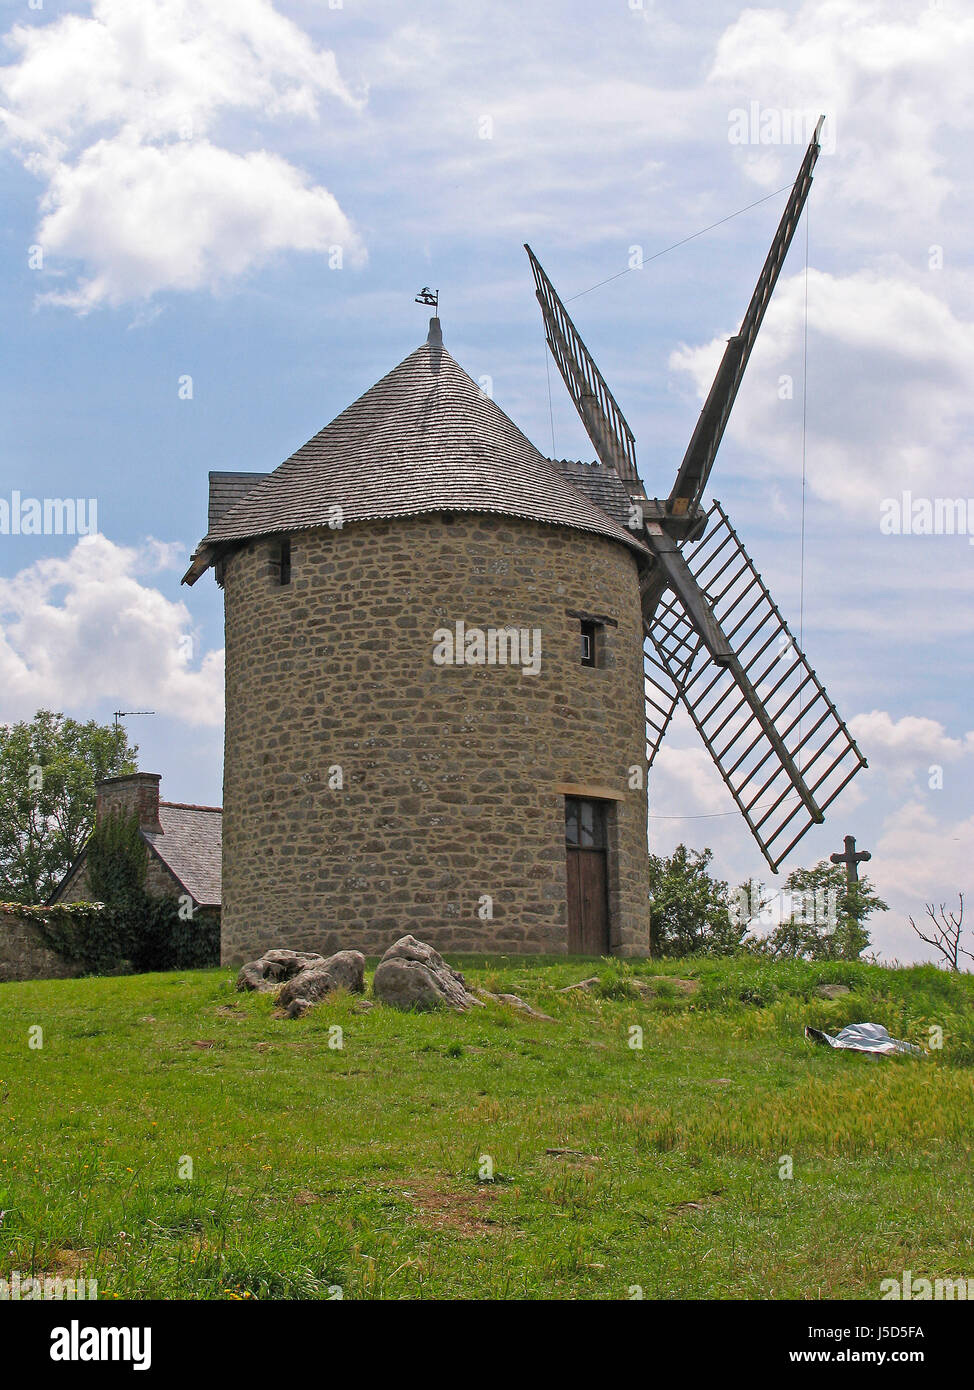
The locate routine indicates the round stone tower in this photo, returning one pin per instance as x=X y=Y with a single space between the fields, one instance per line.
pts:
x=434 y=678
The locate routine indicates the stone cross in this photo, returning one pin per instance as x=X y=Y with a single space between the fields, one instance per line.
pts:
x=851 y=859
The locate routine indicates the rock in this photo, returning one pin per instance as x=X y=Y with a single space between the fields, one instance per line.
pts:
x=297 y=1007
x=344 y=970
x=582 y=984
x=681 y=986
x=832 y=991
x=513 y=1002
x=411 y=975
x=273 y=968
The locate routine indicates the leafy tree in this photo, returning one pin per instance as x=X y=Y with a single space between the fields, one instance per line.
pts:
x=48 y=770
x=826 y=920
x=690 y=910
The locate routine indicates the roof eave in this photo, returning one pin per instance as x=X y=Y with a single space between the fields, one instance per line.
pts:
x=201 y=561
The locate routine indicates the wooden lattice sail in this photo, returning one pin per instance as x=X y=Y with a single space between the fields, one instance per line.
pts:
x=716 y=641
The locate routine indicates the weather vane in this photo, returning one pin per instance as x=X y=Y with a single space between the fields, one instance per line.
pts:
x=428 y=296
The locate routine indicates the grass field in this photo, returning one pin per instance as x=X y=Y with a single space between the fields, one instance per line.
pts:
x=362 y=1167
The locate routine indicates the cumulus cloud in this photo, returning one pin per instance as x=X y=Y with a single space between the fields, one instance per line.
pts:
x=127 y=117
x=891 y=378
x=919 y=858
x=213 y=215
x=686 y=777
x=84 y=629
x=893 y=75
x=910 y=740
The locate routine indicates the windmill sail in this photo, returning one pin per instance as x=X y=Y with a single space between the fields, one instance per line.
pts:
x=774 y=734
x=699 y=458
x=716 y=641
x=604 y=422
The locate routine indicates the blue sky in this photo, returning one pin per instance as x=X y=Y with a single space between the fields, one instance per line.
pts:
x=187 y=171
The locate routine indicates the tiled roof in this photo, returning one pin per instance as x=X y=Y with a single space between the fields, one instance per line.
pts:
x=425 y=438
x=227 y=489
x=601 y=485
x=191 y=846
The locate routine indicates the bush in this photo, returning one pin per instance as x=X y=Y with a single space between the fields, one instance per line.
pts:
x=140 y=936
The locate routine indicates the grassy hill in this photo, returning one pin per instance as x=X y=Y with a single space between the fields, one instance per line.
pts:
x=614 y=1168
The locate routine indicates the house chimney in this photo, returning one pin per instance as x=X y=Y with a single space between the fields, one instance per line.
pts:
x=138 y=793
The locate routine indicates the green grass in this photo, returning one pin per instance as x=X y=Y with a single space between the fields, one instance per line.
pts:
x=362 y=1167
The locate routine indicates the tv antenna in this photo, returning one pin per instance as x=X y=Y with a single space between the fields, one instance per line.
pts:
x=123 y=713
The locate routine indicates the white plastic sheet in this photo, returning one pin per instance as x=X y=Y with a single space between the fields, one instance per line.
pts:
x=862 y=1037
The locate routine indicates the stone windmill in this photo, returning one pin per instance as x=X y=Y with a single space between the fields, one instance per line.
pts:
x=435 y=672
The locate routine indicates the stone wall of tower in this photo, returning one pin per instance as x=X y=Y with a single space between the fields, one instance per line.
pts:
x=452 y=778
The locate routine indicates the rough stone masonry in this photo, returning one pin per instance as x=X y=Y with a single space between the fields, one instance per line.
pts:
x=453 y=777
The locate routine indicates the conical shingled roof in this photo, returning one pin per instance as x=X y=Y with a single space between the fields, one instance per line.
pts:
x=423 y=439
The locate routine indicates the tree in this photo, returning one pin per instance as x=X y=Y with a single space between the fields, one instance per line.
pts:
x=48 y=770
x=690 y=909
x=822 y=917
x=947 y=930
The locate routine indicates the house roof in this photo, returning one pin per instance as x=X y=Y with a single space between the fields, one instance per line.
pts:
x=425 y=438
x=191 y=847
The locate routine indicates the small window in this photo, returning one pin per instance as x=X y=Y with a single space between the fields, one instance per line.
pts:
x=589 y=643
x=584 y=823
x=282 y=562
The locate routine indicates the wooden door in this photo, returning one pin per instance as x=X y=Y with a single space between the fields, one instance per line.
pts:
x=588 y=901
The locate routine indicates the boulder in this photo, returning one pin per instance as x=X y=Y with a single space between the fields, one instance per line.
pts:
x=344 y=970
x=411 y=975
x=675 y=983
x=514 y=1002
x=832 y=991
x=582 y=984
x=273 y=968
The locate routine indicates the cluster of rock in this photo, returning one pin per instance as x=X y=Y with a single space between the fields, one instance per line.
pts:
x=411 y=975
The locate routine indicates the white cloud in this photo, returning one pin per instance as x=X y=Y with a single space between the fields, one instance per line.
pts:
x=910 y=740
x=686 y=777
x=919 y=858
x=893 y=72
x=147 y=218
x=81 y=630
x=890 y=381
x=127 y=117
